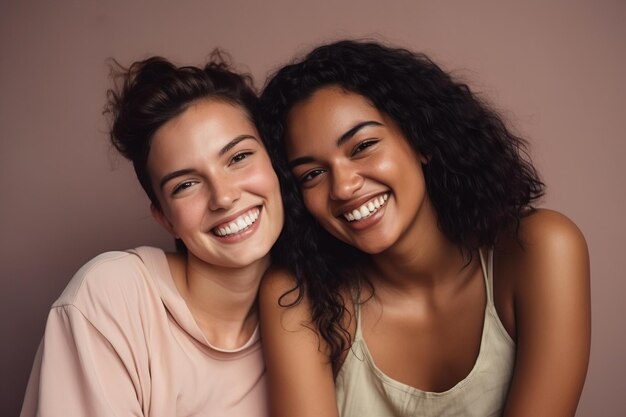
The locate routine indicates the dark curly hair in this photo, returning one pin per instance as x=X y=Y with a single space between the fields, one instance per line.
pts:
x=151 y=92
x=478 y=176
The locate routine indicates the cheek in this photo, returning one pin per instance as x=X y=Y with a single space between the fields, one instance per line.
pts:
x=385 y=165
x=405 y=166
x=262 y=179
x=315 y=202
x=312 y=202
x=186 y=213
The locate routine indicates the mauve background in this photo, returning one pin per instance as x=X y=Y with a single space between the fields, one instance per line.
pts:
x=554 y=68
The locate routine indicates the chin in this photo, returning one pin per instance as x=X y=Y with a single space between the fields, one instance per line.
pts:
x=372 y=250
x=372 y=245
x=236 y=258
x=241 y=262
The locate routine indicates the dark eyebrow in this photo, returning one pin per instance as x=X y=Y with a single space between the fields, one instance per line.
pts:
x=222 y=151
x=300 y=161
x=342 y=139
x=173 y=175
x=353 y=131
x=234 y=142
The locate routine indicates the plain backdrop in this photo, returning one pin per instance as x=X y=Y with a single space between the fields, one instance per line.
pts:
x=554 y=68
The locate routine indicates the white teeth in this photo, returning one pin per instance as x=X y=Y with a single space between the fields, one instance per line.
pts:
x=367 y=209
x=239 y=224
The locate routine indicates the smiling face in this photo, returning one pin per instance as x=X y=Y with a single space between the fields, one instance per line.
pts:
x=215 y=184
x=359 y=176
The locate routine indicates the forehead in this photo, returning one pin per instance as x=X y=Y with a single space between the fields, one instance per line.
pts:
x=198 y=132
x=207 y=116
x=209 y=120
x=331 y=104
x=327 y=114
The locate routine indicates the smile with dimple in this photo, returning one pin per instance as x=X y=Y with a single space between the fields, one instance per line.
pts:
x=366 y=209
x=239 y=224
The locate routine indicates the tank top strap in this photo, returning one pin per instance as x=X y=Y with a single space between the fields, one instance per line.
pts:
x=357 y=316
x=486 y=262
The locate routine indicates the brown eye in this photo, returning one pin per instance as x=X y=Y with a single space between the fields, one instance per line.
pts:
x=364 y=145
x=183 y=186
x=311 y=175
x=240 y=157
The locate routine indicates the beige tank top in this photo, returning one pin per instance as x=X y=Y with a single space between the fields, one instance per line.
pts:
x=364 y=390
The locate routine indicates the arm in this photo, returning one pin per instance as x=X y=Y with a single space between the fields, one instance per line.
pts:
x=551 y=299
x=299 y=373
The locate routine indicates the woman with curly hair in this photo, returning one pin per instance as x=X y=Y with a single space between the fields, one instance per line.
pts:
x=148 y=333
x=419 y=279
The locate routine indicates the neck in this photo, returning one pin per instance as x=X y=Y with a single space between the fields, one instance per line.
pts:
x=222 y=300
x=422 y=258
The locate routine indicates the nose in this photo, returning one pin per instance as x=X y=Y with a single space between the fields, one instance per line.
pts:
x=223 y=193
x=346 y=180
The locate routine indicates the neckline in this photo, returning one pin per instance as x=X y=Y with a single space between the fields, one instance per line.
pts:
x=156 y=262
x=486 y=267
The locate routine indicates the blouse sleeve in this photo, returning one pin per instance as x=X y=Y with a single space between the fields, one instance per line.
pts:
x=93 y=360
x=78 y=372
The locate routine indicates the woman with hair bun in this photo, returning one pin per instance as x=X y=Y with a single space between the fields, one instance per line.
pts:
x=148 y=333
x=420 y=280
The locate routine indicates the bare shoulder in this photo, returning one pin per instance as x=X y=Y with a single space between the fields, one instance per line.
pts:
x=545 y=240
x=543 y=272
x=544 y=229
x=546 y=258
x=279 y=284
x=282 y=303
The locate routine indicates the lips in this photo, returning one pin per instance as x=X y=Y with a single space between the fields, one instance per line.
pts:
x=366 y=209
x=237 y=225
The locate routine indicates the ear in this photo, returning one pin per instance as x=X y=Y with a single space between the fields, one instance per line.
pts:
x=162 y=220
x=424 y=159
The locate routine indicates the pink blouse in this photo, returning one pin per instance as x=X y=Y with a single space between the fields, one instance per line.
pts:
x=121 y=341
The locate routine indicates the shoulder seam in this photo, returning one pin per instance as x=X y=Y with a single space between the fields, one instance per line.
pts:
x=84 y=270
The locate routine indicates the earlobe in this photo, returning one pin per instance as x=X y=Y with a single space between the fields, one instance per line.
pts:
x=162 y=220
